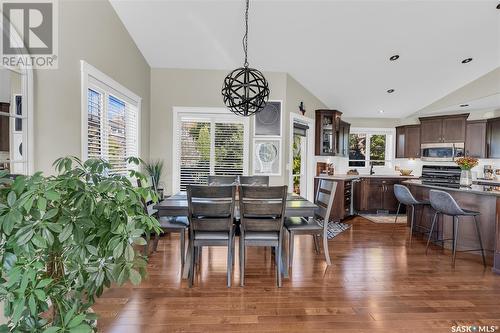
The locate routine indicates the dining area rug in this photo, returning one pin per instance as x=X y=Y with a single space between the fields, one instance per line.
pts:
x=384 y=218
x=336 y=228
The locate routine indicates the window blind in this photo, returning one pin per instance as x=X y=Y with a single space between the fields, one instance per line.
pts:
x=195 y=150
x=228 y=149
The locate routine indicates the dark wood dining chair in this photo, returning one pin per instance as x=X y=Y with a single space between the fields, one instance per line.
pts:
x=317 y=225
x=222 y=180
x=254 y=180
x=262 y=211
x=211 y=214
x=170 y=224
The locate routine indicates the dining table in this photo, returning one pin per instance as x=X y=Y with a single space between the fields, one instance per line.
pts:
x=177 y=205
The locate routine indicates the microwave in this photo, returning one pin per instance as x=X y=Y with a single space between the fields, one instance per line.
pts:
x=442 y=152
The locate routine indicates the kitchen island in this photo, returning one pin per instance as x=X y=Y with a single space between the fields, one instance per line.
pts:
x=481 y=198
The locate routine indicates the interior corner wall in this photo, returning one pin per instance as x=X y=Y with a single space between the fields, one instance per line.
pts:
x=90 y=31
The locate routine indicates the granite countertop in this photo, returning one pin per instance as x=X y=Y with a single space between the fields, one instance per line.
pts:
x=350 y=177
x=474 y=189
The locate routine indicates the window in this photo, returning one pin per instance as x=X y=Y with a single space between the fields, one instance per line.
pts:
x=209 y=145
x=367 y=147
x=111 y=116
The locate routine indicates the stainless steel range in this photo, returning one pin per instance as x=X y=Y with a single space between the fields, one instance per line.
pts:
x=441 y=175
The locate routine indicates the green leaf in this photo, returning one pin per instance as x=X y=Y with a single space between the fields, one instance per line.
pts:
x=48 y=236
x=40 y=294
x=25 y=238
x=42 y=203
x=50 y=214
x=32 y=305
x=29 y=204
x=83 y=328
x=66 y=232
x=9 y=260
x=129 y=253
x=140 y=241
x=92 y=249
x=55 y=227
x=43 y=283
x=52 y=195
x=18 y=309
x=118 y=250
x=77 y=320
x=135 y=277
x=14 y=277
x=52 y=329
x=39 y=241
x=11 y=198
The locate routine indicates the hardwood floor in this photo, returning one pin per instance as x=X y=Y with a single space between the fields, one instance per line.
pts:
x=376 y=284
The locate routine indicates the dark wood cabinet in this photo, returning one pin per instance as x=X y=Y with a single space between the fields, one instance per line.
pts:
x=327 y=128
x=493 y=138
x=343 y=139
x=4 y=128
x=342 y=202
x=408 y=141
x=475 y=138
x=443 y=129
x=376 y=194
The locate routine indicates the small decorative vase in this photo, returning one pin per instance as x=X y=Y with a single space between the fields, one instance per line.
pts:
x=466 y=178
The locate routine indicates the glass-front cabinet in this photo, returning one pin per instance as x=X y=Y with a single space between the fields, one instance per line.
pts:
x=327 y=130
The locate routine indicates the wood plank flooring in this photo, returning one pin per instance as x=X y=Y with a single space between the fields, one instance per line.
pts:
x=376 y=284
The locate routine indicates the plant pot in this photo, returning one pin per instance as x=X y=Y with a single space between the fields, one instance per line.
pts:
x=466 y=178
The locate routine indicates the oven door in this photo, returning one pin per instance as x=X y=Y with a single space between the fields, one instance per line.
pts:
x=437 y=152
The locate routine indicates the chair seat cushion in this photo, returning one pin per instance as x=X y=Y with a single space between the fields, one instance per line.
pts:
x=211 y=235
x=261 y=235
x=300 y=223
x=180 y=222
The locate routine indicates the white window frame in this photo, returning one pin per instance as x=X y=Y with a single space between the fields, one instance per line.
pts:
x=202 y=113
x=389 y=146
x=89 y=72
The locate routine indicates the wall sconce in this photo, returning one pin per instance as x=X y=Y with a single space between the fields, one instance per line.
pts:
x=302 y=108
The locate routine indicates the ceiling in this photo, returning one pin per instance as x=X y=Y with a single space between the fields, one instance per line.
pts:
x=339 y=50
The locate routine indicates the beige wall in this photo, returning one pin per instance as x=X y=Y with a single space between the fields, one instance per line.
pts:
x=88 y=30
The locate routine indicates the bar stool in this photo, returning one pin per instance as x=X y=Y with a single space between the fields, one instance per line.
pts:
x=405 y=197
x=444 y=204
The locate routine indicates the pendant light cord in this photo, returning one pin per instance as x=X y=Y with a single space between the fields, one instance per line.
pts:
x=245 y=37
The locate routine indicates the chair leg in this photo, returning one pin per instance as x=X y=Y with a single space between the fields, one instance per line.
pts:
x=229 y=260
x=325 y=247
x=431 y=231
x=412 y=223
x=291 y=241
x=480 y=240
x=455 y=237
x=278 y=263
x=192 y=263
x=316 y=243
x=155 y=244
x=396 y=219
x=148 y=243
x=242 y=261
x=182 y=249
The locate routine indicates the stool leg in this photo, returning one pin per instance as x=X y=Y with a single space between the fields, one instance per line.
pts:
x=480 y=240
x=455 y=237
x=396 y=219
x=412 y=223
x=431 y=231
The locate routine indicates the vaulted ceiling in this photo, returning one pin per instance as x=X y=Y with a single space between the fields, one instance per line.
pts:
x=339 y=50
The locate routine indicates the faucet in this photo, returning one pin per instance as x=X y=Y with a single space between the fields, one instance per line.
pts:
x=371 y=169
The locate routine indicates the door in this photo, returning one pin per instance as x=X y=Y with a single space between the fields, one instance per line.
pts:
x=431 y=130
x=299 y=164
x=475 y=140
x=454 y=129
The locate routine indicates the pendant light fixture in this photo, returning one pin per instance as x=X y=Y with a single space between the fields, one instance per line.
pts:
x=245 y=90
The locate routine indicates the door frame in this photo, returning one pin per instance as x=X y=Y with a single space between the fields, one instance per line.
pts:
x=310 y=159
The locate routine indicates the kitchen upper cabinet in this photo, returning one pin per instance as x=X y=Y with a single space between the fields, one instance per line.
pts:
x=343 y=139
x=327 y=128
x=408 y=141
x=443 y=129
x=493 y=138
x=475 y=138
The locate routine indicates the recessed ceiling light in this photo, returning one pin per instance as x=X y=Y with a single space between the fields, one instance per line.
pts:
x=394 y=57
x=381 y=111
x=498 y=6
x=390 y=91
x=464 y=105
x=466 y=61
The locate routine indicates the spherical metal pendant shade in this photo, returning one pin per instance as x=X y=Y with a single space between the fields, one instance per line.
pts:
x=245 y=91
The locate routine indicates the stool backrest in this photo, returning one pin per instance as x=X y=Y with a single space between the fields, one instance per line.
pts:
x=211 y=208
x=254 y=180
x=443 y=202
x=404 y=195
x=262 y=208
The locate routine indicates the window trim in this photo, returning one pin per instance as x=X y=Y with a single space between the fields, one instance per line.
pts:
x=389 y=149
x=89 y=72
x=198 y=113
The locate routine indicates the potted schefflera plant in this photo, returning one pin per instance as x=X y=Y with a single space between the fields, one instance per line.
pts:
x=154 y=169
x=466 y=163
x=64 y=239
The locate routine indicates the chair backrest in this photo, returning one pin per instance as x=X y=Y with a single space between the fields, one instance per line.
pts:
x=254 y=180
x=211 y=208
x=324 y=199
x=404 y=195
x=222 y=180
x=443 y=202
x=148 y=202
x=262 y=208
